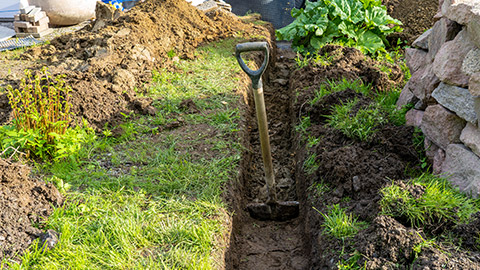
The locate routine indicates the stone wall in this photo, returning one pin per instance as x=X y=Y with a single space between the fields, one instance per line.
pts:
x=445 y=88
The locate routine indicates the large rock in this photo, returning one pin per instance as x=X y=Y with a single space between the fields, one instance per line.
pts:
x=471 y=138
x=462 y=168
x=438 y=161
x=442 y=31
x=449 y=60
x=423 y=82
x=406 y=97
x=442 y=126
x=461 y=11
x=471 y=63
x=414 y=118
x=422 y=41
x=416 y=59
x=473 y=29
x=456 y=99
x=474 y=85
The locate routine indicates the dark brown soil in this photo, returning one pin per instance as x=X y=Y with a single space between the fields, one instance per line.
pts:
x=25 y=203
x=109 y=61
x=416 y=16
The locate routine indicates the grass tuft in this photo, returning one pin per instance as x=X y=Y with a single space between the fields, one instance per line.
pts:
x=339 y=224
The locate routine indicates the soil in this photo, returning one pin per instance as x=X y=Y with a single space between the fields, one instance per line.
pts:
x=416 y=16
x=25 y=202
x=110 y=60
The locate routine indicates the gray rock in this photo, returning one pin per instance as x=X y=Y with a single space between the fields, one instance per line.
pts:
x=442 y=31
x=473 y=29
x=423 y=82
x=438 y=160
x=456 y=99
x=471 y=138
x=422 y=41
x=461 y=11
x=420 y=105
x=471 y=63
x=414 y=118
x=462 y=168
x=476 y=106
x=474 y=84
x=449 y=60
x=48 y=240
x=406 y=97
x=416 y=59
x=442 y=126
x=430 y=149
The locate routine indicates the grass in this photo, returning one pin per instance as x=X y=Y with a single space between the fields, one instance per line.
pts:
x=151 y=199
x=339 y=224
x=440 y=202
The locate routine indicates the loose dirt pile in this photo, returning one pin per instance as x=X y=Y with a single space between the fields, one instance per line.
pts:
x=24 y=202
x=107 y=61
x=416 y=16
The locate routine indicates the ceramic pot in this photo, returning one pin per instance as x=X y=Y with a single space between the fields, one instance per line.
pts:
x=66 y=12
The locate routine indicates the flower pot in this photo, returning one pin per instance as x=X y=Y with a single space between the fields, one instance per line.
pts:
x=67 y=12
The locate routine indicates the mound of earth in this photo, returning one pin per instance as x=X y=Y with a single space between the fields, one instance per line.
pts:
x=111 y=59
x=25 y=201
x=416 y=16
x=348 y=63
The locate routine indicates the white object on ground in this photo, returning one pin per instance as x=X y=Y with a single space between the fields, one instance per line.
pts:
x=6 y=33
x=196 y=2
x=24 y=3
x=67 y=12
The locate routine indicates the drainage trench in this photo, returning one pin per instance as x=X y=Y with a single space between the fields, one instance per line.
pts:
x=258 y=244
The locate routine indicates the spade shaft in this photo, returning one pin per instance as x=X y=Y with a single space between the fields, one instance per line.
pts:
x=272 y=209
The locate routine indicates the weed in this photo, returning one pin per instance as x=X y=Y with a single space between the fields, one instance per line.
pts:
x=440 y=203
x=360 y=125
x=41 y=117
x=339 y=224
x=351 y=263
x=303 y=125
x=310 y=164
x=418 y=248
x=319 y=188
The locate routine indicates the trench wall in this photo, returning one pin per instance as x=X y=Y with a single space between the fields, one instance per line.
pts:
x=445 y=88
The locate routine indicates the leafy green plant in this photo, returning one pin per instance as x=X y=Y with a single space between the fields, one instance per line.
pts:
x=41 y=117
x=360 y=125
x=310 y=164
x=437 y=203
x=339 y=224
x=363 y=24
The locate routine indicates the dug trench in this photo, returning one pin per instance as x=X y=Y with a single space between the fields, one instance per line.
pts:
x=346 y=172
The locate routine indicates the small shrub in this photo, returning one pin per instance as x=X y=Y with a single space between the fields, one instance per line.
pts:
x=41 y=117
x=339 y=224
x=363 y=24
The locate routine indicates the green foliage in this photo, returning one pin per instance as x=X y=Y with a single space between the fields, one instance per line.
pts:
x=351 y=263
x=339 y=224
x=360 y=125
x=310 y=164
x=41 y=117
x=439 y=203
x=363 y=24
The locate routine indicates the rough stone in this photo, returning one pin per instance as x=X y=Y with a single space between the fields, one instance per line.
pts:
x=406 y=97
x=473 y=29
x=462 y=168
x=414 y=118
x=430 y=150
x=420 y=105
x=471 y=63
x=422 y=41
x=423 y=82
x=471 y=138
x=449 y=60
x=442 y=31
x=474 y=85
x=416 y=59
x=476 y=106
x=442 y=126
x=461 y=11
x=438 y=161
x=456 y=99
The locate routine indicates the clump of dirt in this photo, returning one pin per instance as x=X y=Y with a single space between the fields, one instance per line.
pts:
x=416 y=16
x=469 y=234
x=111 y=59
x=25 y=201
x=349 y=63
